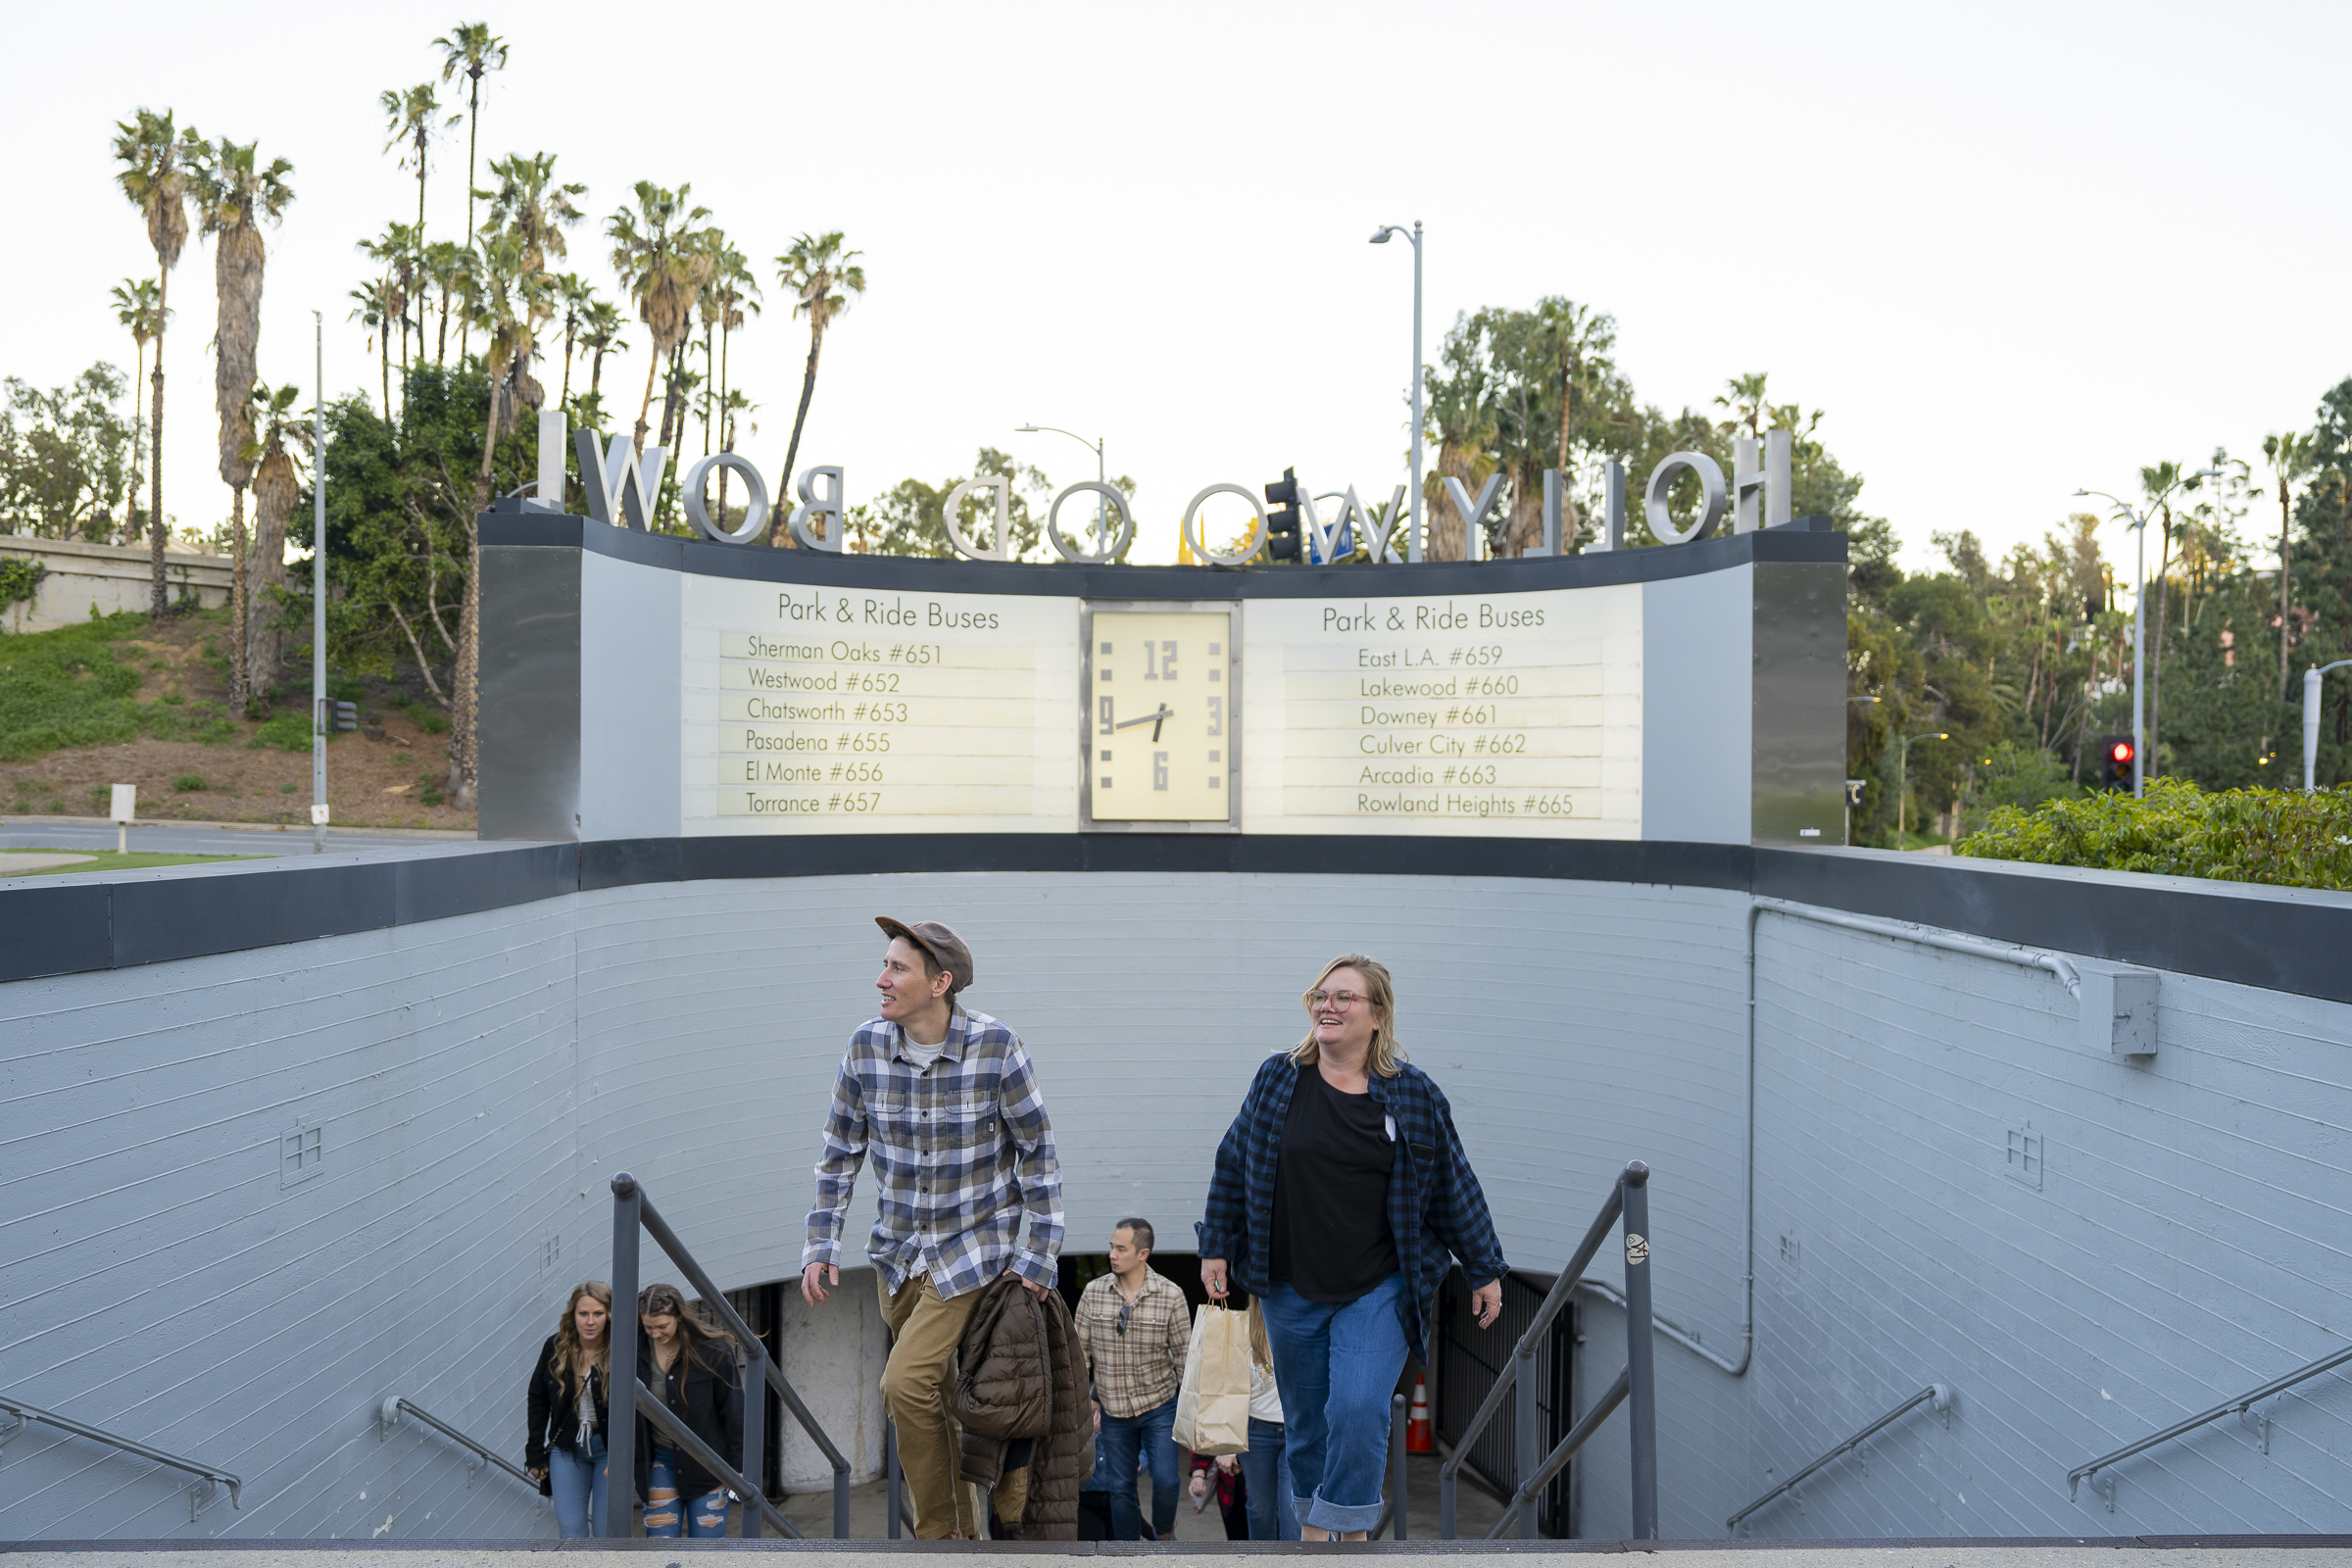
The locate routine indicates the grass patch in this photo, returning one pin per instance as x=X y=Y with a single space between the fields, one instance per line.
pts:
x=190 y=783
x=287 y=731
x=424 y=715
x=109 y=860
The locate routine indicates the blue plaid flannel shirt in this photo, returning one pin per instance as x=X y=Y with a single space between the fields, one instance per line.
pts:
x=960 y=1150
x=1435 y=1205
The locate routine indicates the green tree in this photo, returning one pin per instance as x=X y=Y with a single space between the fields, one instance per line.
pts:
x=654 y=251
x=279 y=433
x=2289 y=456
x=64 y=455
x=235 y=193
x=470 y=47
x=372 y=310
x=906 y=518
x=154 y=156
x=139 y=309
x=408 y=128
x=821 y=274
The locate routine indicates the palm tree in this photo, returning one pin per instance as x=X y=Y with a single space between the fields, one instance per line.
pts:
x=138 y=306
x=2158 y=481
x=473 y=48
x=444 y=268
x=509 y=306
x=408 y=126
x=820 y=274
x=532 y=206
x=370 y=310
x=2290 y=459
x=396 y=252
x=152 y=155
x=574 y=295
x=275 y=485
x=663 y=267
x=734 y=291
x=1744 y=396
x=234 y=193
x=732 y=404
x=600 y=335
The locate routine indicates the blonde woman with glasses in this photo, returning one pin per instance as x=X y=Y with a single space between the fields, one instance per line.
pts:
x=1340 y=1191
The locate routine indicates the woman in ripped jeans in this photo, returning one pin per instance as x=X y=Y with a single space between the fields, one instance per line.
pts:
x=696 y=1373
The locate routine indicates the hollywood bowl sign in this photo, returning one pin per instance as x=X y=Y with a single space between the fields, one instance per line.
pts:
x=624 y=493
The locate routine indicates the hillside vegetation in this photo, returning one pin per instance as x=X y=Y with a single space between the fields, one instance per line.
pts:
x=2284 y=837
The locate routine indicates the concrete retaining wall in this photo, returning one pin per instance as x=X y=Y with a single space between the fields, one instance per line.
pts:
x=105 y=578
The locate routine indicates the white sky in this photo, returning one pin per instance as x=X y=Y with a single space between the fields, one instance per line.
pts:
x=2011 y=248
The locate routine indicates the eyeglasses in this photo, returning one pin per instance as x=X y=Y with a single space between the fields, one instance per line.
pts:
x=1335 y=998
x=1123 y=1325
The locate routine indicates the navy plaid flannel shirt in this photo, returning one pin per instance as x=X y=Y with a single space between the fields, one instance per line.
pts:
x=960 y=1149
x=1435 y=1205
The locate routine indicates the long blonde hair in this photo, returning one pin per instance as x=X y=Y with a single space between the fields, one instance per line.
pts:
x=1381 y=998
x=1262 y=1348
x=567 y=1354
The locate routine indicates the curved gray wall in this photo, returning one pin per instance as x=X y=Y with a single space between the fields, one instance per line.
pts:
x=475 y=1080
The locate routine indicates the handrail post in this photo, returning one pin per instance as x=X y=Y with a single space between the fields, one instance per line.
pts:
x=1640 y=1371
x=1447 y=1501
x=890 y=1465
x=1397 y=1418
x=1526 y=1428
x=755 y=1434
x=621 y=1405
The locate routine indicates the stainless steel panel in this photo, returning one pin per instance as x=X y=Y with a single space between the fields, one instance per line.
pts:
x=1798 y=748
x=531 y=700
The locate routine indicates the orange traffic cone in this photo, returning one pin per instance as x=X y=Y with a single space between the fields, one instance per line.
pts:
x=1418 y=1437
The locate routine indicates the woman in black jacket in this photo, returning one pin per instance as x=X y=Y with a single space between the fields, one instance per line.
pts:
x=565 y=1447
x=695 y=1374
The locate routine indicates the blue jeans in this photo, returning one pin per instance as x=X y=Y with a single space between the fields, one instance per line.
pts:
x=1273 y=1511
x=704 y=1519
x=1338 y=1366
x=1152 y=1435
x=579 y=1491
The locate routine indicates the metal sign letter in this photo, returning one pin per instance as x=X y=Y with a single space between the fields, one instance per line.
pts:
x=1002 y=550
x=1661 y=485
x=813 y=504
x=1118 y=504
x=755 y=510
x=1195 y=537
x=619 y=494
x=1473 y=535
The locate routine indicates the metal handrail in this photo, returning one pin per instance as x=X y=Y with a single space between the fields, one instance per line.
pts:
x=2241 y=1404
x=1629 y=1199
x=388 y=1417
x=199 y=1495
x=632 y=1212
x=1934 y=1394
x=650 y=1406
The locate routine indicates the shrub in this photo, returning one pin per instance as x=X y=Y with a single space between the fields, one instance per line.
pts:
x=2284 y=837
x=288 y=732
x=424 y=715
x=188 y=783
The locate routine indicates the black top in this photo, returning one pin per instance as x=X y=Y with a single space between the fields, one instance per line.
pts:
x=704 y=1389
x=1331 y=1240
x=554 y=1411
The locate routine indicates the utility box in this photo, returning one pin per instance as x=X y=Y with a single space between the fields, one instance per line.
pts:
x=2118 y=1010
x=126 y=802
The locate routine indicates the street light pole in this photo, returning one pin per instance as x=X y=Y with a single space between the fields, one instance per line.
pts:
x=319 y=707
x=1413 y=543
x=2140 y=621
x=1902 y=786
x=2312 y=678
x=1101 y=516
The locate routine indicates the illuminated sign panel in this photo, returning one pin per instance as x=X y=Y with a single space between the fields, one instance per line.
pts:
x=812 y=710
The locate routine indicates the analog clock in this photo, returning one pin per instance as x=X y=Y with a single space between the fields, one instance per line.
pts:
x=1159 y=696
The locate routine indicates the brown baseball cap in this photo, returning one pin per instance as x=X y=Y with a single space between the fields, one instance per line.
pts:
x=947 y=948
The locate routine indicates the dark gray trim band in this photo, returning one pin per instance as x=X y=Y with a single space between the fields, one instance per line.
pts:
x=2279 y=939
x=1805 y=539
x=1132 y=1551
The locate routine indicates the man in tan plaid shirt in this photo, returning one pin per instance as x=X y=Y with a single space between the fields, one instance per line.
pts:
x=1136 y=1328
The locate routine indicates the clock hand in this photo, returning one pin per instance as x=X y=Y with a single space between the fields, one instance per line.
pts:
x=1164 y=714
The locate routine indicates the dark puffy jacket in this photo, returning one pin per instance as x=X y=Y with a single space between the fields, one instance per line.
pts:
x=554 y=1409
x=1065 y=1455
x=705 y=1393
x=1005 y=1380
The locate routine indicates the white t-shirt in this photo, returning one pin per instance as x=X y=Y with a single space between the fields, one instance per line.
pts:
x=922 y=1057
x=1265 y=1399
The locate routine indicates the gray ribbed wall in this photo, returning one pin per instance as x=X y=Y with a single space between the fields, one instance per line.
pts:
x=475 y=1081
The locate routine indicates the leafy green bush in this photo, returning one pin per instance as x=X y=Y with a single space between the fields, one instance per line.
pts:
x=288 y=732
x=427 y=719
x=2286 y=838
x=188 y=783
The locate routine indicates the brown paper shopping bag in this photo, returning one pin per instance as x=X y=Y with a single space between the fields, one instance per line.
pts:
x=1212 y=1407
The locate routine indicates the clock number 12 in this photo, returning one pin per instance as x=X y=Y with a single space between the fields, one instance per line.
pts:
x=1163 y=667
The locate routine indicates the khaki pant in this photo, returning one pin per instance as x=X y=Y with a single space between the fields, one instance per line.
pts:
x=915 y=1391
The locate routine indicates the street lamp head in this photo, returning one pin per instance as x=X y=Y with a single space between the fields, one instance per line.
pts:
x=1024 y=429
x=1380 y=236
x=2081 y=492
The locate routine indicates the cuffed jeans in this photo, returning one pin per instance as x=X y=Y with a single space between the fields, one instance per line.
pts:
x=705 y=1519
x=578 y=1487
x=1153 y=1434
x=1273 y=1511
x=1337 y=1368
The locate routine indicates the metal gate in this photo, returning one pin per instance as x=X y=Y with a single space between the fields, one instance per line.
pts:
x=1470 y=1359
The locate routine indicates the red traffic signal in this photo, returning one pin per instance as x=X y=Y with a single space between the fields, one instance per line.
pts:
x=2115 y=752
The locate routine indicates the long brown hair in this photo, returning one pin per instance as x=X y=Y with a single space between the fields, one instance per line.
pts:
x=566 y=1354
x=1261 y=1349
x=696 y=1338
x=1381 y=998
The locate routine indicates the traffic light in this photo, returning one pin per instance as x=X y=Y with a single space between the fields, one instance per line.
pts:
x=1282 y=524
x=2115 y=761
x=342 y=717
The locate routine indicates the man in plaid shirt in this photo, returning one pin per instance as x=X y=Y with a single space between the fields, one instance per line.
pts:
x=948 y=1102
x=1138 y=1330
